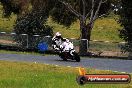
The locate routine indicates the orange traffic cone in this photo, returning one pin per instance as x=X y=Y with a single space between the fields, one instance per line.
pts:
x=82 y=71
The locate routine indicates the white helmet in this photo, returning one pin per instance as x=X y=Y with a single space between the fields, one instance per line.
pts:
x=58 y=34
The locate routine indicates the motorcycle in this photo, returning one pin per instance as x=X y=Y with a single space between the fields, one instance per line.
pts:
x=67 y=51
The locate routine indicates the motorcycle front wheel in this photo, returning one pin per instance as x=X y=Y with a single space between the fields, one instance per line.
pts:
x=76 y=57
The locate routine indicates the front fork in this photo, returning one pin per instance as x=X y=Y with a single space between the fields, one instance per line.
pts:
x=71 y=52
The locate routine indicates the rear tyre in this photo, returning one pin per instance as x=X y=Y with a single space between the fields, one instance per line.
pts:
x=62 y=56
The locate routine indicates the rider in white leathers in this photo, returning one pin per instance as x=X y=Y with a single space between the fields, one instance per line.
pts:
x=62 y=44
x=57 y=41
x=66 y=45
x=64 y=48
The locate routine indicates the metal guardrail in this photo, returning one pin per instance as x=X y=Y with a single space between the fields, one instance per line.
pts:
x=101 y=48
x=23 y=40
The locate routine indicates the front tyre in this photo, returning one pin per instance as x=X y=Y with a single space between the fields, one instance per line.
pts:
x=76 y=57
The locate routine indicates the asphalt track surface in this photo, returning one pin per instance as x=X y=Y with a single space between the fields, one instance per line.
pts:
x=97 y=63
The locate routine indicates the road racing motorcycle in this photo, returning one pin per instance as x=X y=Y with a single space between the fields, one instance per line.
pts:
x=66 y=50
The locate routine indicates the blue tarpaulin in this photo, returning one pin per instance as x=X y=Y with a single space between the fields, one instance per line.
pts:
x=42 y=46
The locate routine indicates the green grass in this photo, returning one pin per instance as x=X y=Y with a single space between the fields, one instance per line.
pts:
x=106 y=29
x=31 y=75
x=6 y=24
x=71 y=32
x=20 y=52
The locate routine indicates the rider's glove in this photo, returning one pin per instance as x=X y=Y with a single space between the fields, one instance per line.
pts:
x=61 y=47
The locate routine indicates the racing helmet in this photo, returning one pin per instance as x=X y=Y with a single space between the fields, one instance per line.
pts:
x=58 y=34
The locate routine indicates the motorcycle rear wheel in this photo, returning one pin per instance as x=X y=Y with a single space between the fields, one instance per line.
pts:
x=62 y=56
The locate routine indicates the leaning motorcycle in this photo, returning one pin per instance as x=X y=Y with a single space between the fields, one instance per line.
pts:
x=66 y=51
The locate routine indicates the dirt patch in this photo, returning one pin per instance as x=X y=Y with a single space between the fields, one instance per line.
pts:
x=6 y=42
x=111 y=53
x=106 y=53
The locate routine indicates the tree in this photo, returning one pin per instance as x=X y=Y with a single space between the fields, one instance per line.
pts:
x=29 y=21
x=86 y=11
x=126 y=22
x=62 y=11
x=18 y=7
x=34 y=22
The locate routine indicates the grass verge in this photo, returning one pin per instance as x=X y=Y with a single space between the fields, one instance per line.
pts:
x=20 y=52
x=31 y=75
